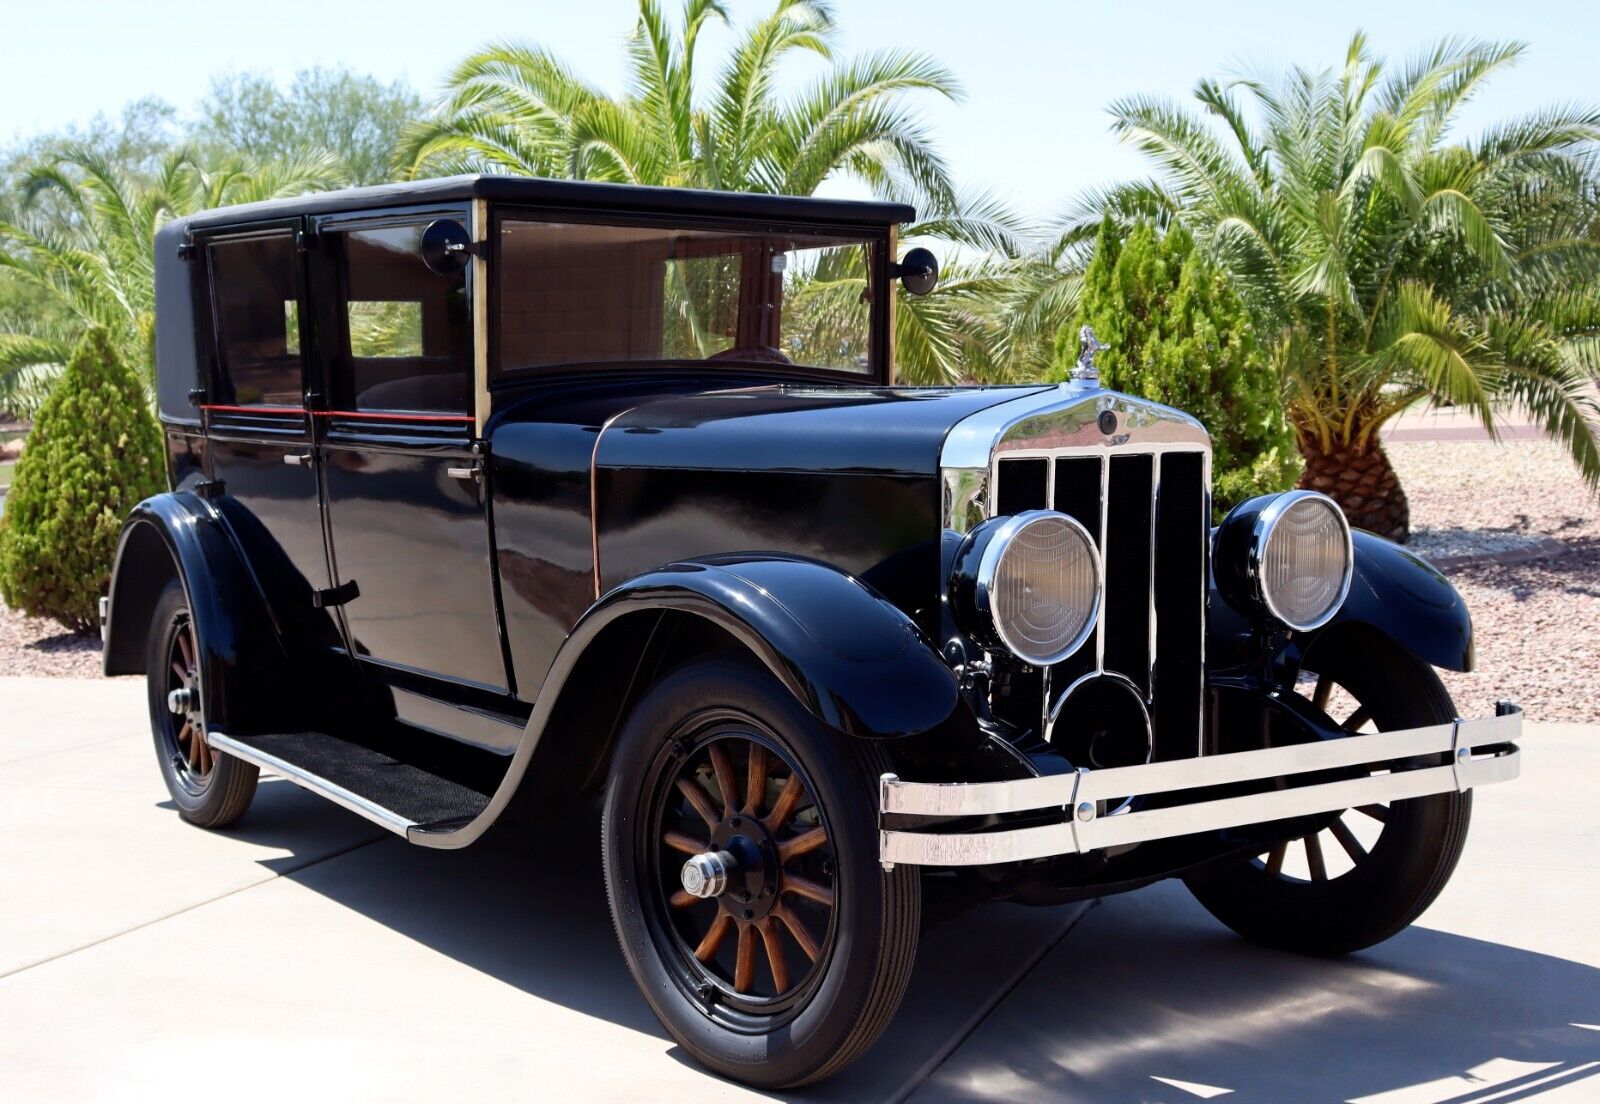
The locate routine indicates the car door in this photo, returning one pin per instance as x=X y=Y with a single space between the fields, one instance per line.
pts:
x=260 y=435
x=403 y=471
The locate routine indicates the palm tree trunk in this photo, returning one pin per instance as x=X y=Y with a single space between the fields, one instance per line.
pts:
x=1364 y=484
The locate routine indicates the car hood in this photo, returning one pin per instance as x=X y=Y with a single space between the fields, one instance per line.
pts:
x=795 y=428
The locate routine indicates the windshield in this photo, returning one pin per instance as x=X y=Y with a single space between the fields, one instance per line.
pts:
x=583 y=293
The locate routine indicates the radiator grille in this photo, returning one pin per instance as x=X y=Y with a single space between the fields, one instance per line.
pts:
x=1149 y=512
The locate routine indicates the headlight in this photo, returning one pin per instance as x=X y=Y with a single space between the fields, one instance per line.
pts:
x=1029 y=583
x=1289 y=554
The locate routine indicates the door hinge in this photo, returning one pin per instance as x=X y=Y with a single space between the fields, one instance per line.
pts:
x=340 y=595
x=305 y=240
x=187 y=250
x=210 y=488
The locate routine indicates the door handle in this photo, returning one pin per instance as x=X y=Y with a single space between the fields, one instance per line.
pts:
x=473 y=472
x=298 y=458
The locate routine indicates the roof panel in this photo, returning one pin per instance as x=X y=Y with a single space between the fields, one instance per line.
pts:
x=577 y=194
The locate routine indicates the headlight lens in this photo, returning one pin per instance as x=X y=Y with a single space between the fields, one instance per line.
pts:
x=1039 y=584
x=1302 y=558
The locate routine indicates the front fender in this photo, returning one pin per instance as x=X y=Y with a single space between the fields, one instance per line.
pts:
x=1392 y=591
x=854 y=660
x=1406 y=598
x=242 y=659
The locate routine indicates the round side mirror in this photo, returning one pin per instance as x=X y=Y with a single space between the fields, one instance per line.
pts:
x=918 y=271
x=446 y=247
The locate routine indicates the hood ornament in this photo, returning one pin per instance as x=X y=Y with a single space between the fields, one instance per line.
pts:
x=1088 y=346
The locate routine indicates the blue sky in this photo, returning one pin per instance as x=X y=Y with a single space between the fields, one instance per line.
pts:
x=1038 y=75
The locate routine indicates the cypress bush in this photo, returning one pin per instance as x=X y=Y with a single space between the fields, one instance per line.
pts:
x=1180 y=334
x=95 y=451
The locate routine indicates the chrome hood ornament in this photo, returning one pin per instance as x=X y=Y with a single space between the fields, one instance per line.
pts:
x=1088 y=346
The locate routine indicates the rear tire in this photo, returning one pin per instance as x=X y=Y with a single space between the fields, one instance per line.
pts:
x=705 y=759
x=1390 y=881
x=210 y=788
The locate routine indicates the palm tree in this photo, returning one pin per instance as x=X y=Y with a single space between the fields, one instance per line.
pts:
x=516 y=108
x=90 y=259
x=1387 y=261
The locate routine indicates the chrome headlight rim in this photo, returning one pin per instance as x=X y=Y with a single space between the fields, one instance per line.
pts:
x=1265 y=522
x=989 y=564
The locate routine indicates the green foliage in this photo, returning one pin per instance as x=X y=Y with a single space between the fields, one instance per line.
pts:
x=1179 y=334
x=1385 y=260
x=352 y=116
x=94 y=452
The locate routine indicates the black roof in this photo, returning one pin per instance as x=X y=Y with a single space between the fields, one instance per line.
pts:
x=581 y=194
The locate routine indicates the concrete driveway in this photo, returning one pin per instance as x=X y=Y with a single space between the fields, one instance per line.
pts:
x=306 y=955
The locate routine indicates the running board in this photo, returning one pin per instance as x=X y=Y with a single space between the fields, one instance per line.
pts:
x=397 y=794
x=348 y=799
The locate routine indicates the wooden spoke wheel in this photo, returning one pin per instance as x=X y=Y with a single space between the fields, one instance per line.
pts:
x=193 y=760
x=1338 y=848
x=1366 y=873
x=757 y=933
x=209 y=788
x=740 y=840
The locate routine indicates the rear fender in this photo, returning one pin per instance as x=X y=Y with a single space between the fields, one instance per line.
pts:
x=243 y=663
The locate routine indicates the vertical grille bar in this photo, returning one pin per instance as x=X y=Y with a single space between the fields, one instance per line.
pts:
x=1181 y=534
x=1127 y=566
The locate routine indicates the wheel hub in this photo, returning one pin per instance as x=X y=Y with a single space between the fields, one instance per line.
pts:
x=751 y=886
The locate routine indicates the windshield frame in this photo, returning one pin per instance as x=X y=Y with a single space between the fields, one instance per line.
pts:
x=879 y=236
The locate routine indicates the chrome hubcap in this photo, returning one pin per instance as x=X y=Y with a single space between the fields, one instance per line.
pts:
x=706 y=874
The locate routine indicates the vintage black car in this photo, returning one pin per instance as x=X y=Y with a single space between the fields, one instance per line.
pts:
x=494 y=495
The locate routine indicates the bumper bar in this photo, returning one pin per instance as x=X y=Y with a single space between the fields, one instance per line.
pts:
x=1479 y=752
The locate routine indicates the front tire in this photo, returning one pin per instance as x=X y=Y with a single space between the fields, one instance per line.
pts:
x=797 y=964
x=1373 y=870
x=209 y=788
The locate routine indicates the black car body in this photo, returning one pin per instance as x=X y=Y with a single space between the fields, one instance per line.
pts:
x=466 y=475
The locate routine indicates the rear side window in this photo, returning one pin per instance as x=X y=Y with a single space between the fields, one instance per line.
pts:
x=255 y=294
x=408 y=330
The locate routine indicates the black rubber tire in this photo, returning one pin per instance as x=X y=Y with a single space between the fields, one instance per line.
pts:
x=1405 y=869
x=878 y=913
x=231 y=783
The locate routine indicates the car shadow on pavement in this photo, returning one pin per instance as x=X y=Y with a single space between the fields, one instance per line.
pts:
x=1145 y=992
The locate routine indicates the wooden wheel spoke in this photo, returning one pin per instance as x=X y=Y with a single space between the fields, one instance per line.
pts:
x=680 y=842
x=804 y=887
x=1275 y=859
x=744 y=963
x=682 y=899
x=193 y=747
x=701 y=801
x=1360 y=717
x=1324 y=692
x=177 y=669
x=724 y=772
x=801 y=844
x=707 y=949
x=798 y=930
x=1319 y=869
x=755 y=780
x=186 y=648
x=788 y=801
x=1347 y=840
x=1379 y=813
x=775 y=960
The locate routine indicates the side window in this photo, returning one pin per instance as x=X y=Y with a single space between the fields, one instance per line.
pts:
x=255 y=292
x=408 y=330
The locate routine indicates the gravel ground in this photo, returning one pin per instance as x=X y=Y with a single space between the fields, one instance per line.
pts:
x=1538 y=622
x=36 y=646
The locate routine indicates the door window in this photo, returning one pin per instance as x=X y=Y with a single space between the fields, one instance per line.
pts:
x=407 y=330
x=255 y=294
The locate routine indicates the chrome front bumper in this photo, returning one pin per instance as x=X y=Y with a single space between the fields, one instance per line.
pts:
x=1479 y=752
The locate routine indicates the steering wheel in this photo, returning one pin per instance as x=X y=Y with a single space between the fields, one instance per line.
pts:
x=761 y=354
